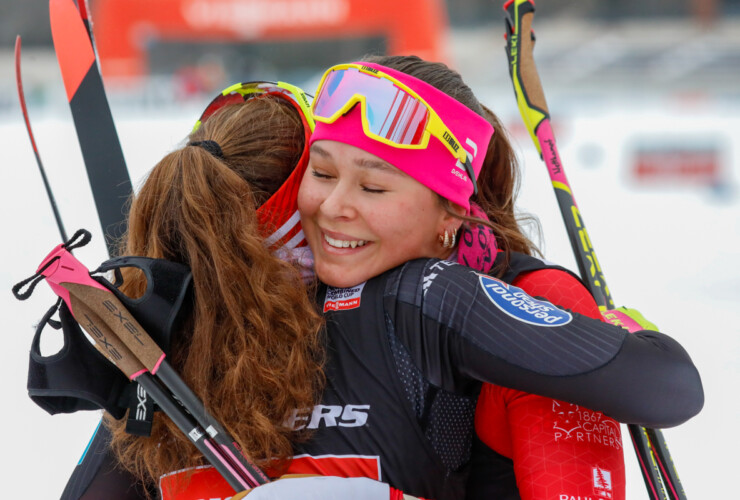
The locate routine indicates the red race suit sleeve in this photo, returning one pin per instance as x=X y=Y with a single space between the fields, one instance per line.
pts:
x=560 y=451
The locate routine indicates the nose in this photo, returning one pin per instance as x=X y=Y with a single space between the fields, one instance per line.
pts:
x=338 y=203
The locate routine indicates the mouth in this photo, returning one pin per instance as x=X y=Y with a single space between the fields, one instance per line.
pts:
x=337 y=243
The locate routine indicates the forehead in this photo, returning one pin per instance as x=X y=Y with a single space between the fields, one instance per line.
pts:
x=345 y=154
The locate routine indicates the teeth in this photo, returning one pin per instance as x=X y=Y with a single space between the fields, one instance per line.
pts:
x=344 y=243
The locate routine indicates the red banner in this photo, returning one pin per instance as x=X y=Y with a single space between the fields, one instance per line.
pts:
x=123 y=28
x=678 y=165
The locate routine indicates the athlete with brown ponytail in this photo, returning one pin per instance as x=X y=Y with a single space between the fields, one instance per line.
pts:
x=252 y=347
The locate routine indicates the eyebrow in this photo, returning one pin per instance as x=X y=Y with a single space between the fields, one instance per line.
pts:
x=367 y=163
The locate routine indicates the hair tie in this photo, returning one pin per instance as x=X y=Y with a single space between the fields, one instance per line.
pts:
x=210 y=146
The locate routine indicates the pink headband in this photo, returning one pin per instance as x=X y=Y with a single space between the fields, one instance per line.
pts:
x=434 y=166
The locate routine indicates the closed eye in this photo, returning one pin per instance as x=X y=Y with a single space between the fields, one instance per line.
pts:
x=319 y=175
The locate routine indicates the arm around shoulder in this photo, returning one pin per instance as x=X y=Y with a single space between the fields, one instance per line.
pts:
x=476 y=327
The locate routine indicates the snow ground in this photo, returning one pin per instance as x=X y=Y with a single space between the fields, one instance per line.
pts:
x=670 y=251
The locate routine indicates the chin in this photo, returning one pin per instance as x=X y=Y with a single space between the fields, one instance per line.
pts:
x=341 y=278
x=340 y=282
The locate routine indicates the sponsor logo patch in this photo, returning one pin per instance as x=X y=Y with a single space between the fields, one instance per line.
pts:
x=571 y=422
x=603 y=483
x=322 y=416
x=342 y=299
x=517 y=304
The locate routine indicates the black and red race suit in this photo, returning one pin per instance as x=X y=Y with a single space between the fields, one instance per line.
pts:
x=406 y=354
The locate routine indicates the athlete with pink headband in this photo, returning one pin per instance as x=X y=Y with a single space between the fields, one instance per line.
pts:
x=389 y=180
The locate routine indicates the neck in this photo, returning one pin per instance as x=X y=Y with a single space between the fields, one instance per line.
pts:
x=449 y=254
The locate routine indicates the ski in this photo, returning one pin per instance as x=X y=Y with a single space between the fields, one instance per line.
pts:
x=84 y=9
x=24 y=109
x=101 y=150
x=652 y=453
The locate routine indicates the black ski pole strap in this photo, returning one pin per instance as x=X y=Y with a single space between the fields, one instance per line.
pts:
x=82 y=235
x=31 y=282
x=141 y=410
x=75 y=378
x=46 y=319
x=34 y=281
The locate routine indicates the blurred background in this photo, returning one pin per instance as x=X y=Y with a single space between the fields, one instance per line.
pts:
x=645 y=103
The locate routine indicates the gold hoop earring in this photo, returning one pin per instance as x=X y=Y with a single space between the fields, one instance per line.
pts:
x=445 y=239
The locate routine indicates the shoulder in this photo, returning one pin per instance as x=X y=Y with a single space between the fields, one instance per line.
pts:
x=515 y=264
x=550 y=281
x=560 y=288
x=421 y=280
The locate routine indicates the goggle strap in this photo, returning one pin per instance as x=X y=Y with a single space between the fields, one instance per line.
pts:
x=278 y=212
x=471 y=173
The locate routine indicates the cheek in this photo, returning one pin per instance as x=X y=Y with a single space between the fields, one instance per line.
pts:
x=308 y=197
x=409 y=225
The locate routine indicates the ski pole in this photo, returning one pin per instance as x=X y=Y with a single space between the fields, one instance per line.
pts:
x=125 y=343
x=114 y=314
x=652 y=453
x=24 y=109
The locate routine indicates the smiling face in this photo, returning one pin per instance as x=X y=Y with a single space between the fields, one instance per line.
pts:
x=362 y=216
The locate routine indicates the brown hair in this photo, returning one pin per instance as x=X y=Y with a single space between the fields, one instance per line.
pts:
x=498 y=181
x=251 y=348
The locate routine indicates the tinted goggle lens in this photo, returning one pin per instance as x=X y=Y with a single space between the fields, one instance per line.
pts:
x=219 y=102
x=391 y=113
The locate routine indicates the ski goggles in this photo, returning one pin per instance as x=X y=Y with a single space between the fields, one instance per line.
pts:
x=392 y=113
x=241 y=92
x=278 y=217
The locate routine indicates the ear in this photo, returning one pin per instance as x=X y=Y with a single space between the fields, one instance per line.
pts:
x=458 y=209
x=451 y=222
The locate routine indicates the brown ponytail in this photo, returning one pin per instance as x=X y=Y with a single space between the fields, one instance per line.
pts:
x=251 y=348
